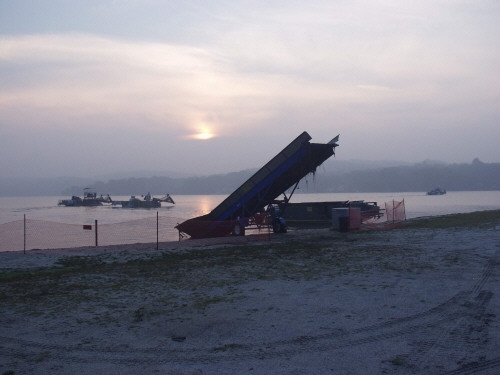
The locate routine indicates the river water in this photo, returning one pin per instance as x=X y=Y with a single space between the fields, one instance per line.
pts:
x=188 y=206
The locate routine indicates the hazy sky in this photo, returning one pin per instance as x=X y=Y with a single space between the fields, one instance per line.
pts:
x=99 y=86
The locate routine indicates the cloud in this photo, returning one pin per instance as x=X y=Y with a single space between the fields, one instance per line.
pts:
x=88 y=75
x=245 y=72
x=71 y=77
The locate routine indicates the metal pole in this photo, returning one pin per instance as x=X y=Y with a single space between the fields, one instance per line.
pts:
x=393 y=211
x=404 y=208
x=156 y=230
x=96 y=243
x=24 y=251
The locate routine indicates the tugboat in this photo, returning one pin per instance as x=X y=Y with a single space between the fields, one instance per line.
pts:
x=90 y=199
x=147 y=202
x=436 y=191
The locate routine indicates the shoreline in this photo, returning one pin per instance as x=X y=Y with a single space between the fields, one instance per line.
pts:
x=420 y=299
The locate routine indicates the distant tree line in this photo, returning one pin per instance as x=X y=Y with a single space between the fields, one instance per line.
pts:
x=214 y=184
x=419 y=177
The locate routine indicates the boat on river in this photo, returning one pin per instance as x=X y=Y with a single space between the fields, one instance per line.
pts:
x=90 y=199
x=436 y=191
x=146 y=201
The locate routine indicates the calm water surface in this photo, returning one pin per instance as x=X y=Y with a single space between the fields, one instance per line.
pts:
x=188 y=206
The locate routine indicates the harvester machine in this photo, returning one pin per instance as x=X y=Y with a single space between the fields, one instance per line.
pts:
x=258 y=195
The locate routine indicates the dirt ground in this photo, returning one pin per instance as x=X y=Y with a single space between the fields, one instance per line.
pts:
x=422 y=299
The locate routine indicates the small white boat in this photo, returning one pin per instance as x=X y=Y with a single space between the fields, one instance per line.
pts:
x=436 y=191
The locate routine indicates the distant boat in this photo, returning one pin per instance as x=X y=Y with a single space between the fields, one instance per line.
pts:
x=90 y=199
x=148 y=201
x=436 y=191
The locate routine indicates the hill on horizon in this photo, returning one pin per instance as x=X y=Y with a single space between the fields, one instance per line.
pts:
x=339 y=176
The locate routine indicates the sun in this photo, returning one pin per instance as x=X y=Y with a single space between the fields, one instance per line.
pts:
x=204 y=136
x=203 y=132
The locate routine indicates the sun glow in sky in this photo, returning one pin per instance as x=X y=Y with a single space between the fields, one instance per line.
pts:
x=201 y=136
x=204 y=136
x=124 y=82
x=202 y=133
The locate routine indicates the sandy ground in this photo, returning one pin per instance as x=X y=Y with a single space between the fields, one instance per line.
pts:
x=405 y=301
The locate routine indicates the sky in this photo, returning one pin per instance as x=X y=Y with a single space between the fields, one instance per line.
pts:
x=99 y=87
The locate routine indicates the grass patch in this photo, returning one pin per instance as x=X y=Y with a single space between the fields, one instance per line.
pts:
x=399 y=360
x=228 y=347
x=42 y=356
x=480 y=219
x=203 y=302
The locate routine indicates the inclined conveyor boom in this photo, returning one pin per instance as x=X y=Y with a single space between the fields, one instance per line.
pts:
x=285 y=170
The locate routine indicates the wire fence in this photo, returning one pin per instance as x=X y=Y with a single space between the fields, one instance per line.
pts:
x=30 y=234
x=394 y=217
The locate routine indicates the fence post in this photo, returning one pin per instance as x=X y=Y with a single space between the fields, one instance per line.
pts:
x=96 y=243
x=404 y=208
x=24 y=251
x=157 y=230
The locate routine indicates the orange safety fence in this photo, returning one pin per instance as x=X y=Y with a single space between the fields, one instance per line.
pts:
x=42 y=234
x=394 y=217
x=32 y=234
x=395 y=211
